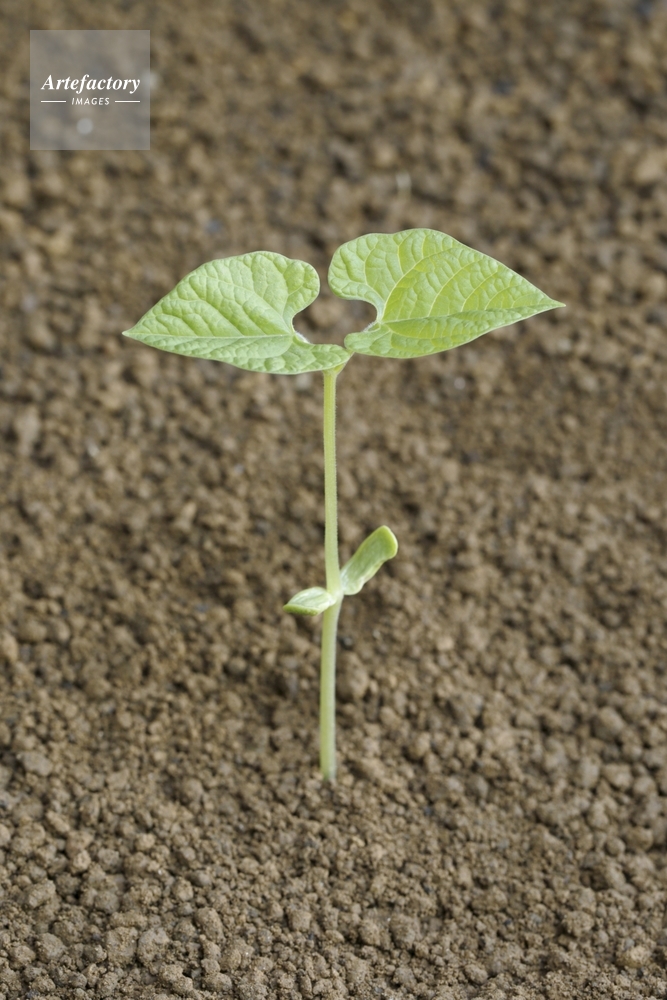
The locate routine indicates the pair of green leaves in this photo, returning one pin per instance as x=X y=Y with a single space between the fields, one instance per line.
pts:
x=431 y=293
x=375 y=550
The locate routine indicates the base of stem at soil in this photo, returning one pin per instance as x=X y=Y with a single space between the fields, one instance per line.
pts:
x=328 y=692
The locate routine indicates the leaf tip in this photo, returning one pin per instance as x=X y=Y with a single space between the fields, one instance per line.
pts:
x=375 y=550
x=295 y=609
x=391 y=539
x=312 y=601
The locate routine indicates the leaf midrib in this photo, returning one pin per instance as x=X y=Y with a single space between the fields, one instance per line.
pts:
x=403 y=276
x=441 y=317
x=436 y=253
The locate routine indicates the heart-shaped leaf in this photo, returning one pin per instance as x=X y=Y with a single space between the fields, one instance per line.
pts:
x=313 y=601
x=431 y=292
x=239 y=310
x=380 y=545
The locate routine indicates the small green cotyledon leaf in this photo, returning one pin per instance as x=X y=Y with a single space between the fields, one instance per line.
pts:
x=239 y=310
x=366 y=561
x=313 y=601
x=431 y=292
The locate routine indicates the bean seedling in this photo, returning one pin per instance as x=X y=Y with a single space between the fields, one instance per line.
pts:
x=431 y=293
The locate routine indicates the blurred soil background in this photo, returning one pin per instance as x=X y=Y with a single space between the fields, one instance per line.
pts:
x=499 y=826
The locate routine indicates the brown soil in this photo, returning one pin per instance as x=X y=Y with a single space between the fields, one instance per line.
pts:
x=500 y=822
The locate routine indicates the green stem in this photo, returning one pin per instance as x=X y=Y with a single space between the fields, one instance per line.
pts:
x=328 y=692
x=332 y=566
x=330 y=500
